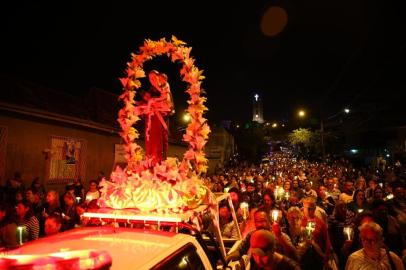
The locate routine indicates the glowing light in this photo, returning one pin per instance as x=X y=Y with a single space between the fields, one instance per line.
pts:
x=186 y=117
x=275 y=215
x=354 y=151
x=244 y=208
x=346 y=110
x=20 y=230
x=310 y=227
x=301 y=113
x=274 y=21
x=348 y=232
x=256 y=116
x=256 y=97
x=275 y=125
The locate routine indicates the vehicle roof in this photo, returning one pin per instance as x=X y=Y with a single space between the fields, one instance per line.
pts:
x=128 y=248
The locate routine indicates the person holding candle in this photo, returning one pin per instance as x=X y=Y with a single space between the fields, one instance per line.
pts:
x=227 y=226
x=69 y=215
x=93 y=193
x=320 y=236
x=262 y=222
x=373 y=255
x=359 y=202
x=27 y=220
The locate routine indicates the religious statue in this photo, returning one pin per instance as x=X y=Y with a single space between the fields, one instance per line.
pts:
x=156 y=106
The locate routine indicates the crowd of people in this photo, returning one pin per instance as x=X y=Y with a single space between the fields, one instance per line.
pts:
x=27 y=213
x=312 y=215
x=292 y=213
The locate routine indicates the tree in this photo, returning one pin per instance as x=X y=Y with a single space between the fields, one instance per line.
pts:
x=303 y=139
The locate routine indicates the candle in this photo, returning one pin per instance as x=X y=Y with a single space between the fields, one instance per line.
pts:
x=244 y=207
x=310 y=227
x=20 y=234
x=275 y=215
x=349 y=232
x=78 y=199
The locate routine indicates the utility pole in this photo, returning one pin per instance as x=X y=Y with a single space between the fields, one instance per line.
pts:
x=323 y=150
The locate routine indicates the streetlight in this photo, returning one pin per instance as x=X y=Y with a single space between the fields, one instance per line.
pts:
x=301 y=113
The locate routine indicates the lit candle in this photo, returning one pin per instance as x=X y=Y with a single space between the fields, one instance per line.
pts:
x=275 y=215
x=78 y=199
x=20 y=234
x=276 y=193
x=360 y=210
x=244 y=207
x=349 y=232
x=310 y=227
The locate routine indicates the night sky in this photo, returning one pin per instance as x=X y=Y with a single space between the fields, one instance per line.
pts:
x=330 y=54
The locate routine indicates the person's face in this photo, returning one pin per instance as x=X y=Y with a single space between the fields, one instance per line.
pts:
x=286 y=186
x=68 y=200
x=224 y=213
x=399 y=193
x=294 y=219
x=330 y=183
x=21 y=210
x=263 y=261
x=261 y=221
x=93 y=186
x=250 y=188
x=19 y=197
x=234 y=197
x=341 y=209
x=372 y=184
x=348 y=186
x=378 y=194
x=309 y=209
x=360 y=196
x=295 y=184
x=51 y=197
x=370 y=241
x=268 y=201
x=29 y=196
x=51 y=226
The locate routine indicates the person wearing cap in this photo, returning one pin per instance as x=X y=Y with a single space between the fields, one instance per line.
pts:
x=264 y=256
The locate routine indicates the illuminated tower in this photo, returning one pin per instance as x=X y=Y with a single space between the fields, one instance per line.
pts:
x=257 y=114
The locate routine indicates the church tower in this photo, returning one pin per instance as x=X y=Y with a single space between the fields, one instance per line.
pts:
x=257 y=112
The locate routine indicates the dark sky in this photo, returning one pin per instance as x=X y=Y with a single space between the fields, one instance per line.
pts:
x=331 y=54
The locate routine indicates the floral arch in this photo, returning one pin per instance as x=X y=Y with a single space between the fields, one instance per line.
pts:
x=172 y=185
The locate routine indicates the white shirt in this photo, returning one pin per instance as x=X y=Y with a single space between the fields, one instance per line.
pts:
x=359 y=261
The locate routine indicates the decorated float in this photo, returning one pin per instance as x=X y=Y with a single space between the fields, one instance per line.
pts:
x=169 y=185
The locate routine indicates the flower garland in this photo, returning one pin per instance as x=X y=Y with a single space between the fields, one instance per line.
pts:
x=169 y=186
x=196 y=132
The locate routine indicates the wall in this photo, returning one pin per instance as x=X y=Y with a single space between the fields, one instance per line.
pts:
x=29 y=136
